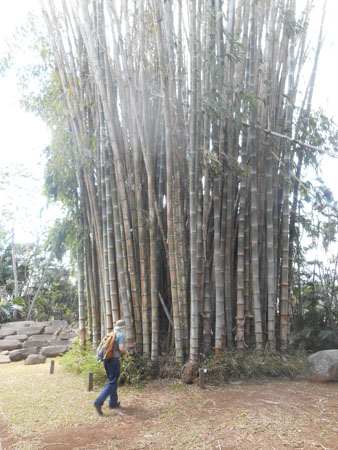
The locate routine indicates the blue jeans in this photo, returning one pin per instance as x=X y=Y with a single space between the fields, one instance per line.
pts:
x=112 y=367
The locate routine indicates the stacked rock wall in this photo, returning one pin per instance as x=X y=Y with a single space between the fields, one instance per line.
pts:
x=18 y=340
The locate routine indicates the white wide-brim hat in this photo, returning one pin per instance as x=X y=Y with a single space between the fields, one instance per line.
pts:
x=120 y=325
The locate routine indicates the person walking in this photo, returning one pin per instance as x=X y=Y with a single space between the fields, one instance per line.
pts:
x=111 y=348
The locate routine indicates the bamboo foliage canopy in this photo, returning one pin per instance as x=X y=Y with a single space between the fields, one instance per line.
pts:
x=185 y=202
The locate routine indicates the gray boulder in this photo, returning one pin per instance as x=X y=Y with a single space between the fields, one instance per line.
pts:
x=35 y=359
x=51 y=329
x=22 y=353
x=59 y=323
x=57 y=326
x=24 y=323
x=323 y=366
x=19 y=337
x=54 y=350
x=42 y=337
x=4 y=332
x=9 y=344
x=4 y=359
x=39 y=344
x=62 y=342
x=67 y=336
x=29 y=331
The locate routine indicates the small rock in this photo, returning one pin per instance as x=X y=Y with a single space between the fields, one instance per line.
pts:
x=4 y=359
x=189 y=372
x=22 y=353
x=54 y=350
x=35 y=359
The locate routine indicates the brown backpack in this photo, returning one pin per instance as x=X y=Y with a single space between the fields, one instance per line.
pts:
x=109 y=348
x=106 y=349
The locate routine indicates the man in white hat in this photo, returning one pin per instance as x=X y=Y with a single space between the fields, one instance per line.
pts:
x=114 y=345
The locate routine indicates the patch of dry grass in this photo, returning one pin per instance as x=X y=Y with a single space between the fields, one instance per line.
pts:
x=27 y=445
x=35 y=402
x=167 y=415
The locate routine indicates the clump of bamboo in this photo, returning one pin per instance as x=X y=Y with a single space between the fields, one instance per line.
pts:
x=183 y=192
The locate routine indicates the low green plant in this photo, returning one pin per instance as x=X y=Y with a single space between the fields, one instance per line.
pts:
x=81 y=360
x=232 y=365
x=314 y=339
x=9 y=308
x=137 y=369
x=134 y=369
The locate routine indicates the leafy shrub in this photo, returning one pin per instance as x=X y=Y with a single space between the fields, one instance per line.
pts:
x=316 y=328
x=231 y=365
x=254 y=364
x=81 y=360
x=137 y=369
x=5 y=310
x=134 y=369
x=11 y=309
x=314 y=339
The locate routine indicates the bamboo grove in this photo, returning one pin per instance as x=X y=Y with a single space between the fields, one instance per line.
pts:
x=181 y=115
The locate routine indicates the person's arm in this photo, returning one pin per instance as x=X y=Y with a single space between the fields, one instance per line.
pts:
x=122 y=349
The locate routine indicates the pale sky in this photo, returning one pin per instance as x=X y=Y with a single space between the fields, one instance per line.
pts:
x=23 y=136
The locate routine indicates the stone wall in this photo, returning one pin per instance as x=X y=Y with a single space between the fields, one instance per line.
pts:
x=18 y=340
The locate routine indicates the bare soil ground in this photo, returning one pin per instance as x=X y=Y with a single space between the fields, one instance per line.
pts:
x=275 y=414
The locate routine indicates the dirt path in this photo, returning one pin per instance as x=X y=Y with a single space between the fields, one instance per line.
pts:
x=6 y=439
x=271 y=415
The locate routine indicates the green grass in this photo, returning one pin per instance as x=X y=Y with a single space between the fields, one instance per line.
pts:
x=35 y=401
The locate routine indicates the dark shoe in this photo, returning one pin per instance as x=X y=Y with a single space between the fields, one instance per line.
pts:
x=98 y=408
x=114 y=406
